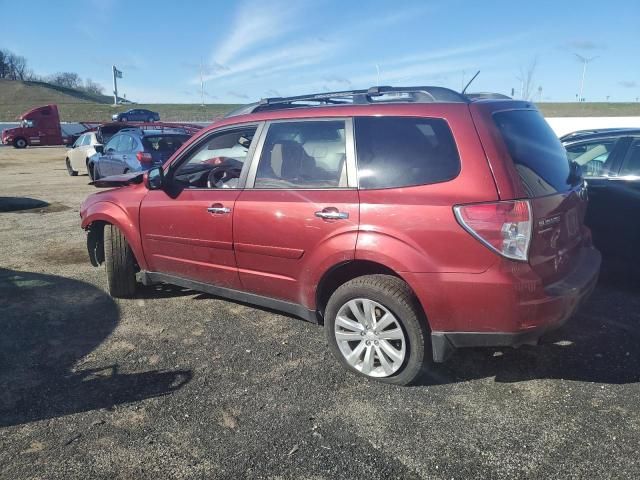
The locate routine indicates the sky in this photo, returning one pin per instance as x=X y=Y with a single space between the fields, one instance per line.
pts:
x=250 y=49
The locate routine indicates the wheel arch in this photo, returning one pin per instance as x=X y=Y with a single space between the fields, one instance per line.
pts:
x=102 y=213
x=343 y=272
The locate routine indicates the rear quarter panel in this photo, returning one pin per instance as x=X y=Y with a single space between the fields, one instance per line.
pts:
x=413 y=229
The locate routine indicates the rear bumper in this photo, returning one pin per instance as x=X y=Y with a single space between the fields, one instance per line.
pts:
x=556 y=303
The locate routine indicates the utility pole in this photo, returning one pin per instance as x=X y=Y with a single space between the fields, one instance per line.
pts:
x=584 y=61
x=116 y=74
x=201 y=85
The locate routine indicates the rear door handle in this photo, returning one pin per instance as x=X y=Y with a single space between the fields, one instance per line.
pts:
x=332 y=214
x=219 y=209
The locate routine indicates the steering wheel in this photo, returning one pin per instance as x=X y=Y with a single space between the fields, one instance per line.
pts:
x=220 y=175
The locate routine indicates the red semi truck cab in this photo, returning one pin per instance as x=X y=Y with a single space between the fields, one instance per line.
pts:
x=39 y=126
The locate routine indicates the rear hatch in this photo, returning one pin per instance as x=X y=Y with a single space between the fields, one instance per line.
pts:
x=537 y=169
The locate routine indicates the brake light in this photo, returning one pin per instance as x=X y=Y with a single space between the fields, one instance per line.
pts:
x=144 y=158
x=504 y=227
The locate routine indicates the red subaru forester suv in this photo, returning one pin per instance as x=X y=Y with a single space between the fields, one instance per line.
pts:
x=408 y=221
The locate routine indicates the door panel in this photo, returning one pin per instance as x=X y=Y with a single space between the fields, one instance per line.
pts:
x=279 y=238
x=182 y=237
x=609 y=200
x=301 y=217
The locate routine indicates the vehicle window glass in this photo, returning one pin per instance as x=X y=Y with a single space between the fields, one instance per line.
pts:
x=404 y=151
x=79 y=141
x=218 y=162
x=303 y=155
x=539 y=157
x=591 y=156
x=86 y=140
x=113 y=143
x=127 y=143
x=163 y=143
x=632 y=164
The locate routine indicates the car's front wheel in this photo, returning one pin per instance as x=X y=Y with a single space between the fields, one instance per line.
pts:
x=375 y=327
x=119 y=262
x=20 y=143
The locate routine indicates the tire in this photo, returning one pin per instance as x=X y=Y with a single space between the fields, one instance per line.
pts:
x=95 y=174
x=20 y=143
x=119 y=262
x=70 y=169
x=387 y=294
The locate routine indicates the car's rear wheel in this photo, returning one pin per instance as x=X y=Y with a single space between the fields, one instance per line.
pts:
x=375 y=327
x=119 y=262
x=70 y=169
x=20 y=143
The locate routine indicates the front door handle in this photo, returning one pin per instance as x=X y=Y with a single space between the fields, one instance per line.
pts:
x=332 y=213
x=219 y=209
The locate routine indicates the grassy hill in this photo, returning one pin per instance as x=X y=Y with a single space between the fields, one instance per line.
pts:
x=17 y=97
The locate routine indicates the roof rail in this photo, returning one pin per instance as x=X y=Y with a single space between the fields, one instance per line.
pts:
x=379 y=94
x=487 y=95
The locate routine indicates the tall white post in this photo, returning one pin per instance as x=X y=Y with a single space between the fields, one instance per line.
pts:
x=115 y=86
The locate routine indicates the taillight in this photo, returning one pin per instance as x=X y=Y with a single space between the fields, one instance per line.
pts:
x=504 y=227
x=144 y=158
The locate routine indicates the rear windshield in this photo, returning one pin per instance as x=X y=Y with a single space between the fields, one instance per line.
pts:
x=538 y=155
x=163 y=143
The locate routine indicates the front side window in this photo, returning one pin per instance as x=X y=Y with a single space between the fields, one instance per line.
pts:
x=79 y=141
x=218 y=162
x=592 y=156
x=86 y=140
x=397 y=152
x=309 y=155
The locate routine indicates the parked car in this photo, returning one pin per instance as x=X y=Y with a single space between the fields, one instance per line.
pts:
x=88 y=144
x=78 y=155
x=409 y=221
x=610 y=162
x=135 y=150
x=136 y=115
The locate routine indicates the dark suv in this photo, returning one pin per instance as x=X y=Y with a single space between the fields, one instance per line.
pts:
x=408 y=221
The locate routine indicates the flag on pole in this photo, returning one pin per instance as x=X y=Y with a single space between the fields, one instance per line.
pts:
x=117 y=73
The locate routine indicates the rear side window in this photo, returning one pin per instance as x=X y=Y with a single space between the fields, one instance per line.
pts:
x=404 y=151
x=632 y=163
x=538 y=155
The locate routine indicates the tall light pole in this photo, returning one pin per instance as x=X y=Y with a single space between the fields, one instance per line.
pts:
x=584 y=61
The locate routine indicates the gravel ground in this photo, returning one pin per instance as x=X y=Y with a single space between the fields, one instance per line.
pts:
x=176 y=384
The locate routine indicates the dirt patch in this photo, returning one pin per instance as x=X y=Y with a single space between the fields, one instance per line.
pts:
x=64 y=256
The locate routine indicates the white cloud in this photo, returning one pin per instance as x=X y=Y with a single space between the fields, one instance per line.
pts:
x=255 y=23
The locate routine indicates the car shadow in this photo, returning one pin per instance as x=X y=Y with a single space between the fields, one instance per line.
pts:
x=599 y=344
x=49 y=324
x=16 y=204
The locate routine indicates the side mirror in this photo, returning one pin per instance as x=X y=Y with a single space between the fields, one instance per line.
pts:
x=99 y=148
x=155 y=178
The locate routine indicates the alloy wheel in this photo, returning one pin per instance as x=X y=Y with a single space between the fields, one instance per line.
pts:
x=370 y=337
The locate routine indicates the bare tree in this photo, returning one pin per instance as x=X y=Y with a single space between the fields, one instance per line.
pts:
x=93 y=87
x=526 y=79
x=66 y=79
